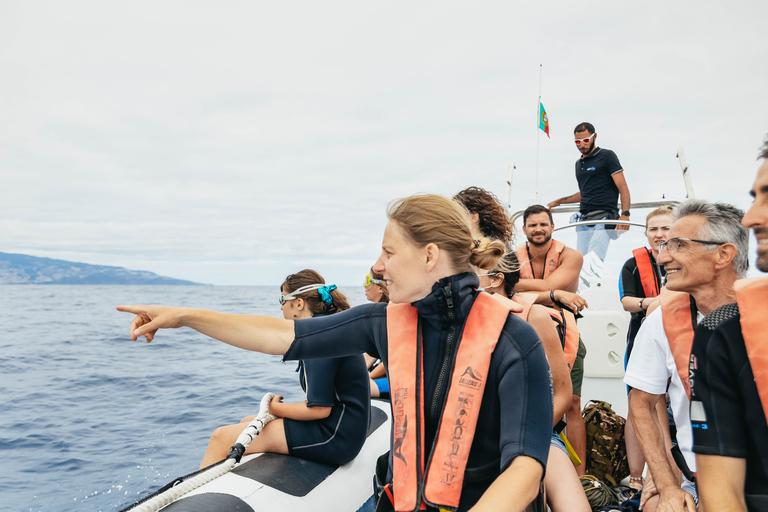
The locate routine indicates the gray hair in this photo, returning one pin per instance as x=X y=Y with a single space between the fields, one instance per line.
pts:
x=723 y=225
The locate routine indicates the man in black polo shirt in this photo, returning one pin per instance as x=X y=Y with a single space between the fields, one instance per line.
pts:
x=601 y=181
x=729 y=384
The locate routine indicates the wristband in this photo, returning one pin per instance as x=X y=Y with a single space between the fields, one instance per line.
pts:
x=552 y=296
x=641 y=304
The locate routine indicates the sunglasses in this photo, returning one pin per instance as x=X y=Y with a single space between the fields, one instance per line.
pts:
x=369 y=281
x=294 y=294
x=585 y=141
x=673 y=244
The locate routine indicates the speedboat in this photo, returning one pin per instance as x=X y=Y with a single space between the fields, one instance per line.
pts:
x=285 y=483
x=271 y=481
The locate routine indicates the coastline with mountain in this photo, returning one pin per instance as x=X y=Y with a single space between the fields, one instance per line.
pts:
x=25 y=269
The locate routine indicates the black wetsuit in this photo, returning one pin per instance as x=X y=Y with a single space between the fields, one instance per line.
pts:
x=516 y=411
x=726 y=413
x=342 y=384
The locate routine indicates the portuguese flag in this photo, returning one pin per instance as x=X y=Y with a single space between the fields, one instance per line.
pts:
x=543 y=119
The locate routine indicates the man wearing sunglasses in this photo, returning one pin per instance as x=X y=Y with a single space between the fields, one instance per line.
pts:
x=601 y=182
x=704 y=255
x=729 y=396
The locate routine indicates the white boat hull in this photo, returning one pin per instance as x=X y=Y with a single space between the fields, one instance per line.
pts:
x=283 y=483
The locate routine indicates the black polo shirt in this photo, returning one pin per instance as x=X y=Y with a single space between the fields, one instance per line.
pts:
x=595 y=176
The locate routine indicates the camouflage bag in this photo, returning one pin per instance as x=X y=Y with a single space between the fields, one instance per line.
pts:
x=606 y=451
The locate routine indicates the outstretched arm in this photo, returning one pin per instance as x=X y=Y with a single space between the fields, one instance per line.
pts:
x=573 y=198
x=258 y=333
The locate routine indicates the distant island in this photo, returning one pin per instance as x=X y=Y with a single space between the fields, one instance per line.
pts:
x=23 y=269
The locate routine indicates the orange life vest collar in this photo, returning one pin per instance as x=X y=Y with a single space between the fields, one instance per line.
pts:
x=678 y=313
x=551 y=261
x=441 y=483
x=648 y=276
x=751 y=295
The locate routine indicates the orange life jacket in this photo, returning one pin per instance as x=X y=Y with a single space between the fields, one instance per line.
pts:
x=570 y=341
x=648 y=276
x=559 y=316
x=678 y=313
x=751 y=295
x=440 y=485
x=551 y=262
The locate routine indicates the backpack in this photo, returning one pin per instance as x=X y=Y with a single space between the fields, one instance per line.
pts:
x=599 y=494
x=606 y=451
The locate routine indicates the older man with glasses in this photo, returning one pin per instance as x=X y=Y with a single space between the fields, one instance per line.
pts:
x=729 y=385
x=601 y=182
x=705 y=254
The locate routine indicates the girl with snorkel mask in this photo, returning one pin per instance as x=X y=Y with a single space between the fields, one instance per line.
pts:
x=328 y=427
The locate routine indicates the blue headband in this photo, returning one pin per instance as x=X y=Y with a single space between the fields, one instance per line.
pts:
x=325 y=294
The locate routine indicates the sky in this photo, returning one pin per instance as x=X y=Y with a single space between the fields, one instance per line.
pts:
x=235 y=142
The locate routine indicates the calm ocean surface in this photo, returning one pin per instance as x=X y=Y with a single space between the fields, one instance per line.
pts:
x=90 y=420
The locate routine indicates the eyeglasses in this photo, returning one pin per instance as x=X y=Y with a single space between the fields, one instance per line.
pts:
x=294 y=294
x=369 y=281
x=585 y=141
x=673 y=244
x=490 y=274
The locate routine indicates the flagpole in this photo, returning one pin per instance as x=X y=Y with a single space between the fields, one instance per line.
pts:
x=538 y=137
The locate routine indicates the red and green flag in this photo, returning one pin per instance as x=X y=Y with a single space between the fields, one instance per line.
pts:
x=543 y=119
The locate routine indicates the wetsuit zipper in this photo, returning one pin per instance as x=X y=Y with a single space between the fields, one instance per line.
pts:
x=447 y=360
x=418 y=393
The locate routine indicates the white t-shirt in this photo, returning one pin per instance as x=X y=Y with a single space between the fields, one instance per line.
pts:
x=651 y=364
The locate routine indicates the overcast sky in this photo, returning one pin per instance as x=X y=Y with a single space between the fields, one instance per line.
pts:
x=236 y=142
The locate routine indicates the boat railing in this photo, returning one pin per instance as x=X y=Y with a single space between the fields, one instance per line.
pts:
x=574 y=208
x=600 y=221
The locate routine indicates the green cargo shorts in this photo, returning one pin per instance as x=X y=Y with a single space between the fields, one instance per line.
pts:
x=577 y=373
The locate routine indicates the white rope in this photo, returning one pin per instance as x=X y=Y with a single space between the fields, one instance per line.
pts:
x=250 y=432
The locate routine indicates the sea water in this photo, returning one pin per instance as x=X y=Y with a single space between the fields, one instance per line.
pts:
x=90 y=420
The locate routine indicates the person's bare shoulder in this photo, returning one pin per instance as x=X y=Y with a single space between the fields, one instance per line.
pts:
x=571 y=257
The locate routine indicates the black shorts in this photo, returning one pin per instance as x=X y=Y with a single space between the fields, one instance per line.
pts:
x=336 y=439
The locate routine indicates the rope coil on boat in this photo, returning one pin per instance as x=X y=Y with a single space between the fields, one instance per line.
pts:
x=180 y=489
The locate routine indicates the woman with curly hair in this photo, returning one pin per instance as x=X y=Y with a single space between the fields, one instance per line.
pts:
x=489 y=217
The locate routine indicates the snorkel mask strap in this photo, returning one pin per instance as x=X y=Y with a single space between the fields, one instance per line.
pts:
x=295 y=293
